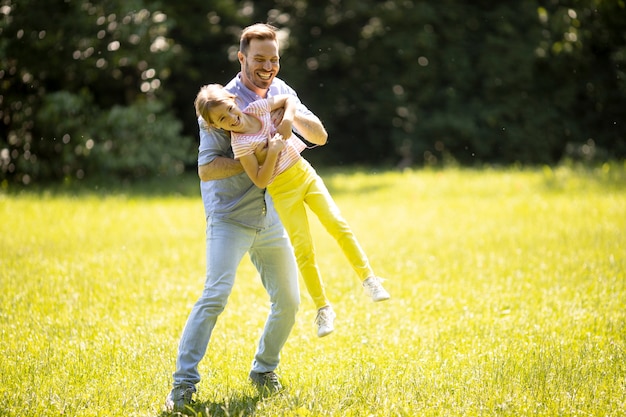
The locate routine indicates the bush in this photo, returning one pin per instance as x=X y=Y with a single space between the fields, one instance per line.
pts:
x=121 y=142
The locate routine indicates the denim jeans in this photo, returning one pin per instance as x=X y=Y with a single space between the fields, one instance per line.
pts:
x=272 y=255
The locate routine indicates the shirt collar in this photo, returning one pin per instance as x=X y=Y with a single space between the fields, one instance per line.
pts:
x=246 y=96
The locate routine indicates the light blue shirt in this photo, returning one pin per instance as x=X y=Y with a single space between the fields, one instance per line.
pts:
x=236 y=199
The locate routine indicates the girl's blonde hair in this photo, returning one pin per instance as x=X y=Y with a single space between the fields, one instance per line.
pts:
x=208 y=97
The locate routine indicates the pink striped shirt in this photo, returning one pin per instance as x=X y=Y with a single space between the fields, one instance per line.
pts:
x=245 y=143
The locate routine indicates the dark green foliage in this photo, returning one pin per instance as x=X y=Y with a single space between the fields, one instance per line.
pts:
x=479 y=82
x=106 y=88
x=81 y=91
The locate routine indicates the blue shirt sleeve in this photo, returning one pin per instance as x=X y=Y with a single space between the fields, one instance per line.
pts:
x=213 y=143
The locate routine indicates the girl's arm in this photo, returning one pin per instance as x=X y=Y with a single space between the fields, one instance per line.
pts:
x=261 y=174
x=309 y=125
x=290 y=104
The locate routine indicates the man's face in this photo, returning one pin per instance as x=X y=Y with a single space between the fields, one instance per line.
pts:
x=260 y=65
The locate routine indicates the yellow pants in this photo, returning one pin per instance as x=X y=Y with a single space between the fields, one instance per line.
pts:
x=290 y=190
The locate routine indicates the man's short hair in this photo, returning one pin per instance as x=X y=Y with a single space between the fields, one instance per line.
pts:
x=260 y=31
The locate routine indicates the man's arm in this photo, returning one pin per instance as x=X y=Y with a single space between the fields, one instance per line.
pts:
x=223 y=167
x=219 y=168
x=308 y=125
x=212 y=163
x=311 y=128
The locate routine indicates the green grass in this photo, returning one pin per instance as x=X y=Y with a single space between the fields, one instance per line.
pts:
x=508 y=299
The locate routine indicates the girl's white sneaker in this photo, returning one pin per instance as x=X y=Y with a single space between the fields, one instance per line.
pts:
x=374 y=289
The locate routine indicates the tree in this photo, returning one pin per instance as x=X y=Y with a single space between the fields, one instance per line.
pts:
x=70 y=70
x=395 y=82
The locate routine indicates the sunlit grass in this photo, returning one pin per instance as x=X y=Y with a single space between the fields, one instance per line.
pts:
x=508 y=292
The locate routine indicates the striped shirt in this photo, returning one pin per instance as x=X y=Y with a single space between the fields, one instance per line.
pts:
x=245 y=143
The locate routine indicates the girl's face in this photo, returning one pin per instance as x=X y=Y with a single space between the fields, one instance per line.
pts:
x=226 y=116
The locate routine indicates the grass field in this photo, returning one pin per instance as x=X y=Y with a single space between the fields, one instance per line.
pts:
x=508 y=299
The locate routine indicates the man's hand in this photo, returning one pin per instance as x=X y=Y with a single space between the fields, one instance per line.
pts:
x=261 y=153
x=277 y=116
x=284 y=129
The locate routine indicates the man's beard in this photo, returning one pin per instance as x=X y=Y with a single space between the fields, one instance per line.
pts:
x=256 y=81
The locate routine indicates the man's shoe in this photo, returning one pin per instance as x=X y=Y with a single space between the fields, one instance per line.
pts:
x=266 y=382
x=179 y=398
x=374 y=289
x=325 y=321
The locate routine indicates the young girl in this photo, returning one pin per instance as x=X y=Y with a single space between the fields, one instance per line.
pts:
x=291 y=181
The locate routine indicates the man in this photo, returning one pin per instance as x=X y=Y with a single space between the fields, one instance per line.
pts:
x=241 y=218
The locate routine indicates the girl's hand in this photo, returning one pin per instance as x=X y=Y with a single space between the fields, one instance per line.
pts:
x=276 y=144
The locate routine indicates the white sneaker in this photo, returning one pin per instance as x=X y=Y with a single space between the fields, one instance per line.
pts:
x=324 y=320
x=374 y=289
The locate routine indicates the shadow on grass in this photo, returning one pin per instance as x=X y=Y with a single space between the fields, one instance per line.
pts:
x=237 y=405
x=565 y=176
x=184 y=185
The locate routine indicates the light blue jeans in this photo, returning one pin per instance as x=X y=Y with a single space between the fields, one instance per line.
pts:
x=272 y=255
